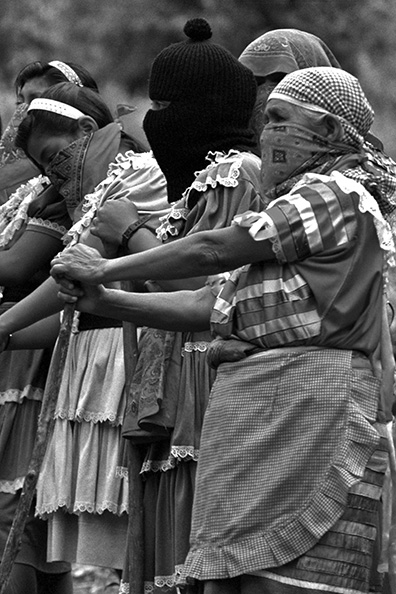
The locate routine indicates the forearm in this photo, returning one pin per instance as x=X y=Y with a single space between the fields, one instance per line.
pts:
x=143 y=241
x=41 y=335
x=40 y=304
x=178 y=311
x=201 y=254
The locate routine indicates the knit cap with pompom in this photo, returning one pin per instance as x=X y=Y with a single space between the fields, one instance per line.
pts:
x=197 y=67
x=211 y=97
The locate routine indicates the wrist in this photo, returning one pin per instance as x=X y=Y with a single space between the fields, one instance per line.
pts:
x=131 y=229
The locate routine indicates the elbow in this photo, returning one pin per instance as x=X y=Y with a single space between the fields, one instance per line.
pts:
x=210 y=257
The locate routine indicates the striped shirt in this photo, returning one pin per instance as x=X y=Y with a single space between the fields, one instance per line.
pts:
x=325 y=283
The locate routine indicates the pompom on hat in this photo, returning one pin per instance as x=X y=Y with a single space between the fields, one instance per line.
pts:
x=197 y=67
x=211 y=98
x=333 y=91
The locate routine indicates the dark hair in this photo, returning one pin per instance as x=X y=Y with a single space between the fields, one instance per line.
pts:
x=45 y=122
x=52 y=75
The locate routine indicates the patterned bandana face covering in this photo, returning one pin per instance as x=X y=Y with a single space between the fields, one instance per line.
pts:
x=288 y=149
x=65 y=171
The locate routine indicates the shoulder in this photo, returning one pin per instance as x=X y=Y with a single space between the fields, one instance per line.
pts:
x=227 y=170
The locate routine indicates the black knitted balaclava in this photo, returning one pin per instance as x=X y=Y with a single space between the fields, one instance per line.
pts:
x=211 y=98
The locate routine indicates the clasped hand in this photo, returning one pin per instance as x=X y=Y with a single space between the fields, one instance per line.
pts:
x=78 y=271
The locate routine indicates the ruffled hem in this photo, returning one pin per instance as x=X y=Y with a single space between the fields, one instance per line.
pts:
x=14 y=395
x=83 y=415
x=177 y=454
x=158 y=465
x=184 y=453
x=83 y=470
x=161 y=582
x=80 y=507
x=297 y=534
x=11 y=486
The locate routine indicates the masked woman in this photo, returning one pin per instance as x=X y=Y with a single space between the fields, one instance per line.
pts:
x=33 y=222
x=292 y=450
x=83 y=473
x=198 y=129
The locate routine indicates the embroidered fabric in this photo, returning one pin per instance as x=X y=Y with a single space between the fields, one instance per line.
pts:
x=13 y=213
x=8 y=152
x=66 y=170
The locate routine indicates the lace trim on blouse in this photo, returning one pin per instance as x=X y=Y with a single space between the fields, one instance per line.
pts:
x=13 y=213
x=11 y=486
x=48 y=225
x=233 y=158
x=210 y=177
x=167 y=229
x=91 y=203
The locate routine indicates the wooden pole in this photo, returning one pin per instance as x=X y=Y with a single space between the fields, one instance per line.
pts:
x=44 y=431
x=135 y=518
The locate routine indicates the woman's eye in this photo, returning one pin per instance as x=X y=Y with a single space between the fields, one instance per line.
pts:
x=158 y=105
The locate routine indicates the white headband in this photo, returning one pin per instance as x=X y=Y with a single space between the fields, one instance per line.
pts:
x=70 y=74
x=288 y=99
x=56 y=107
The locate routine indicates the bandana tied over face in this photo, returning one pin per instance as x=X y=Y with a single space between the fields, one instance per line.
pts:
x=287 y=150
x=65 y=171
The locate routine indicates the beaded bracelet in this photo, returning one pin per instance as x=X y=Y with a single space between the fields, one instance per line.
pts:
x=129 y=231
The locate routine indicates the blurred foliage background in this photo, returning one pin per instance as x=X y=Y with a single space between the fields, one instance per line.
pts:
x=116 y=40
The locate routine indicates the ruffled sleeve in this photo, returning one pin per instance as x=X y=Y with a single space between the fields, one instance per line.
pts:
x=228 y=186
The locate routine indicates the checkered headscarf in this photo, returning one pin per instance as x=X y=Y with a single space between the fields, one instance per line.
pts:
x=330 y=90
